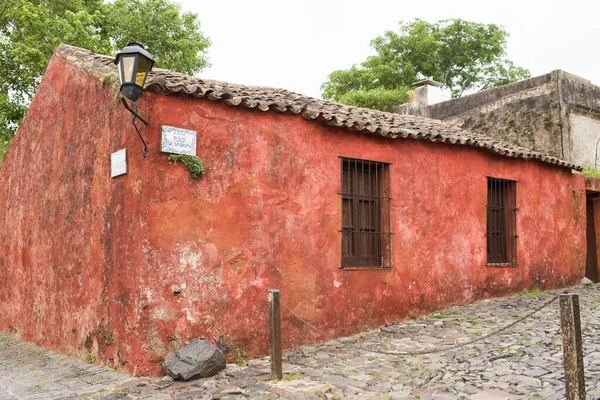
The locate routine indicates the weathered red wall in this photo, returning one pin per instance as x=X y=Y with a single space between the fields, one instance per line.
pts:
x=89 y=263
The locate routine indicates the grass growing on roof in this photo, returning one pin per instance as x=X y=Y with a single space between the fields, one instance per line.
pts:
x=589 y=171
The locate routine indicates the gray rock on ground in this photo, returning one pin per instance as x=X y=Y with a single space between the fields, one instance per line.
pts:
x=199 y=359
x=586 y=281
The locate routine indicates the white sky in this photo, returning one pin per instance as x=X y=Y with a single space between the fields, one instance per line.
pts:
x=295 y=44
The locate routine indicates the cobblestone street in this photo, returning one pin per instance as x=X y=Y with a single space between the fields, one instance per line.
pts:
x=524 y=362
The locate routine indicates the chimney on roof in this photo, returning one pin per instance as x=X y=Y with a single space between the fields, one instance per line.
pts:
x=427 y=92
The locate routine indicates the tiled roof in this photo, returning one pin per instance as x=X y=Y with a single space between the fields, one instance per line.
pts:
x=270 y=99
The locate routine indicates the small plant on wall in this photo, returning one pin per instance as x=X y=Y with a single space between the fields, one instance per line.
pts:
x=193 y=164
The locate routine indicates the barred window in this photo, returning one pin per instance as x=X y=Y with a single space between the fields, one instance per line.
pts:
x=501 y=229
x=366 y=231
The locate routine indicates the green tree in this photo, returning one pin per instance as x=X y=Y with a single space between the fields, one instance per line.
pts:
x=4 y=142
x=31 y=29
x=464 y=56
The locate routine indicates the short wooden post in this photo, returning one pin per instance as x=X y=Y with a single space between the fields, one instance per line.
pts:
x=275 y=334
x=572 y=350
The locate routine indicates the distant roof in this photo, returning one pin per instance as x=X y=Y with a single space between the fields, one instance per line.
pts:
x=270 y=99
x=429 y=82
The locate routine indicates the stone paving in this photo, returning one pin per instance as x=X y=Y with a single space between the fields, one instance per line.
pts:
x=524 y=362
x=31 y=372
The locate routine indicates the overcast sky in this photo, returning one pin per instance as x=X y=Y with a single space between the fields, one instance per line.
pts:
x=295 y=44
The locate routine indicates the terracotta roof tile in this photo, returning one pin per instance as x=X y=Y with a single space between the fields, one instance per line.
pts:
x=270 y=99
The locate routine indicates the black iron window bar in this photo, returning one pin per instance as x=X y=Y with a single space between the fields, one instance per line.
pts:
x=501 y=229
x=366 y=229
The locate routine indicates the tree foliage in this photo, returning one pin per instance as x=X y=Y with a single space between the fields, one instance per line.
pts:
x=31 y=29
x=464 y=56
x=4 y=142
x=378 y=98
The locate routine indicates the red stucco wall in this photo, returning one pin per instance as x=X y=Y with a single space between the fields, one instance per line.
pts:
x=89 y=263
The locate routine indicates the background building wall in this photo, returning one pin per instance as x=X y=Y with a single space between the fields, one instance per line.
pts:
x=555 y=114
x=525 y=113
x=580 y=100
x=132 y=268
x=585 y=136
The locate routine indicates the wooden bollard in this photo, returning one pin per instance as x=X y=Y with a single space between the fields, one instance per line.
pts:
x=275 y=334
x=572 y=349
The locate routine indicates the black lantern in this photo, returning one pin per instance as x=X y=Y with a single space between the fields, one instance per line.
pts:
x=134 y=63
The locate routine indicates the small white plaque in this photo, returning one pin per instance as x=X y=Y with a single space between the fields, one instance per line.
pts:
x=118 y=163
x=178 y=141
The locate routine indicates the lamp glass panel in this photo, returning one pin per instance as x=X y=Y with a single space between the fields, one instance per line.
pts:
x=128 y=63
x=142 y=71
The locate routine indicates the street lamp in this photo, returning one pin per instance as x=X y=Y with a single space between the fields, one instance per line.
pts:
x=134 y=63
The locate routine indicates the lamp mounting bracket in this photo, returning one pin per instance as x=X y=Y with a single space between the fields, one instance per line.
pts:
x=139 y=114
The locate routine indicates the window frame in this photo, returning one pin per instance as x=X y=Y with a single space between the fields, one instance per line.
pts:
x=374 y=234
x=501 y=222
